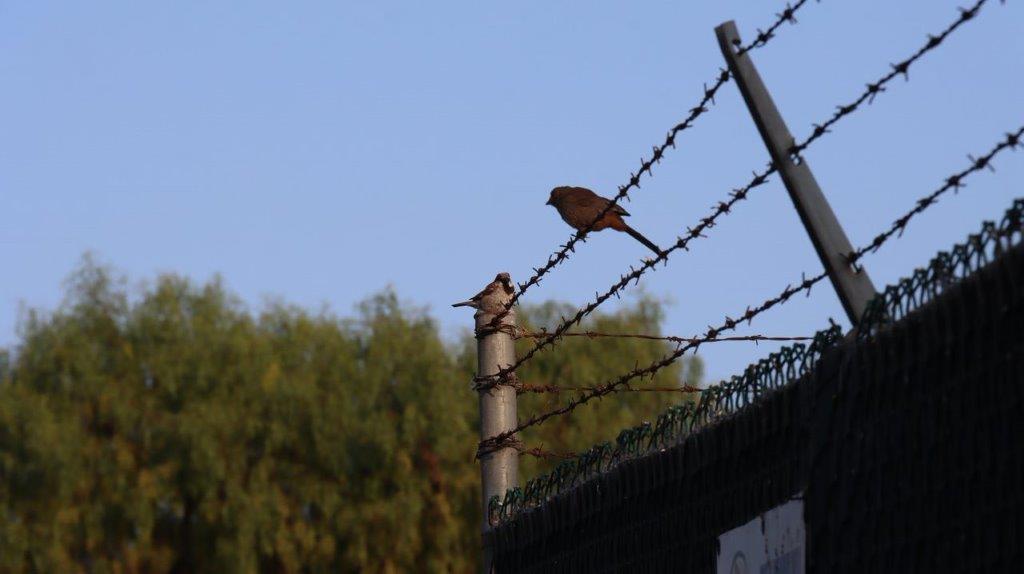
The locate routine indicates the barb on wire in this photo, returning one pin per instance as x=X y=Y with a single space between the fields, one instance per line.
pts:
x=524 y=334
x=729 y=323
x=646 y=165
x=724 y=207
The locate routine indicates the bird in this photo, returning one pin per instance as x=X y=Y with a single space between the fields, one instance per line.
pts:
x=579 y=206
x=493 y=297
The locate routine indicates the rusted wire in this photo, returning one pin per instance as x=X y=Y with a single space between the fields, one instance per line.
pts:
x=556 y=389
x=1011 y=142
x=523 y=334
x=646 y=165
x=482 y=383
x=737 y=195
x=775 y=371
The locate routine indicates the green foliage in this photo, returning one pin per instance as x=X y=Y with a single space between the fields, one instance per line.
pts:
x=179 y=432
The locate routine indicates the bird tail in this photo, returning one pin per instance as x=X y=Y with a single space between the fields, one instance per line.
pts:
x=463 y=304
x=636 y=235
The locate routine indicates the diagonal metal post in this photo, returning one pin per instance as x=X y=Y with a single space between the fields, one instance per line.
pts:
x=852 y=284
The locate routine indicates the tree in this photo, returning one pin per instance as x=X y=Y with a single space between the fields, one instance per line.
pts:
x=176 y=431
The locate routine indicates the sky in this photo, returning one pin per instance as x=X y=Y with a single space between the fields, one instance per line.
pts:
x=318 y=152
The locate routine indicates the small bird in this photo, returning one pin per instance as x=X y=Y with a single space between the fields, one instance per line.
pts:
x=579 y=206
x=494 y=297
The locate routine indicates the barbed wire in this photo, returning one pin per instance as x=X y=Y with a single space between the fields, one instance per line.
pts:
x=556 y=389
x=724 y=207
x=499 y=440
x=945 y=270
x=1011 y=141
x=902 y=68
x=646 y=165
x=766 y=375
x=897 y=301
x=541 y=452
x=524 y=334
x=954 y=182
x=479 y=383
x=633 y=276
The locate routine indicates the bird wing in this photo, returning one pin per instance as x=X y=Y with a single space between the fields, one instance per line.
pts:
x=487 y=291
x=615 y=209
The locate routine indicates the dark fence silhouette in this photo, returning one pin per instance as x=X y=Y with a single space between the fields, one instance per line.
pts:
x=905 y=444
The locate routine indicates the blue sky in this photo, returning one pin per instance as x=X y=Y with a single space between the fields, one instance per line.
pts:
x=321 y=151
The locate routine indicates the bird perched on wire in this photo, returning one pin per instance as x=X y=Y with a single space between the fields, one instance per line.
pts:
x=494 y=296
x=579 y=207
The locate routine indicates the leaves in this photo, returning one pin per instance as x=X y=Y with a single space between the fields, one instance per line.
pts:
x=176 y=431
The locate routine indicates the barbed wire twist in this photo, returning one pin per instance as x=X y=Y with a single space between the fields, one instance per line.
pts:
x=542 y=334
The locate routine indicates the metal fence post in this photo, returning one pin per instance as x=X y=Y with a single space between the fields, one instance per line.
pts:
x=853 y=286
x=499 y=469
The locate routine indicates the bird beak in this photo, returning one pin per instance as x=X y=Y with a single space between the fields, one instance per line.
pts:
x=548 y=202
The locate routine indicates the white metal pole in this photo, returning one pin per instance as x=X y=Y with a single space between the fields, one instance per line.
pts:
x=499 y=469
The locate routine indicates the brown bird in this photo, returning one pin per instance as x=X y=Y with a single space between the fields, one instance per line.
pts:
x=494 y=297
x=579 y=206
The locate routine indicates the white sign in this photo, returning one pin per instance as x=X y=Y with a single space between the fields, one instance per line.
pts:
x=771 y=543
